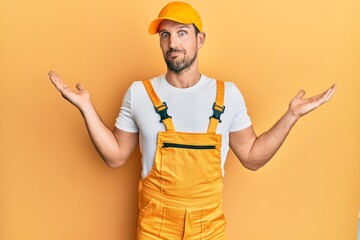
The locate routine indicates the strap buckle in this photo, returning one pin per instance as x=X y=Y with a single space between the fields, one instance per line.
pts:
x=163 y=112
x=217 y=111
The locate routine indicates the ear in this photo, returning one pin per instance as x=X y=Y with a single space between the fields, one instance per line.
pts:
x=200 y=39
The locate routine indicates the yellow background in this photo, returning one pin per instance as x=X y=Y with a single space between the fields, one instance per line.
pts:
x=53 y=185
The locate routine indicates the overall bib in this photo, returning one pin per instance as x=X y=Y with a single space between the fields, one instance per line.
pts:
x=181 y=197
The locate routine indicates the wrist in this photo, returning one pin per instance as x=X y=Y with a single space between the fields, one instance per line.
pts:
x=291 y=116
x=85 y=107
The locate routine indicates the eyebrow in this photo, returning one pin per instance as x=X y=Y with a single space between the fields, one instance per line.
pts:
x=181 y=27
x=184 y=26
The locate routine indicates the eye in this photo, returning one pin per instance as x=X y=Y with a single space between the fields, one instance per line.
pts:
x=182 y=33
x=164 y=34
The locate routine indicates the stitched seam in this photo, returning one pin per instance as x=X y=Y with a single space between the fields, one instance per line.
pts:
x=162 y=218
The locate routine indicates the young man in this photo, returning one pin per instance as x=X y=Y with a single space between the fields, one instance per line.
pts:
x=184 y=122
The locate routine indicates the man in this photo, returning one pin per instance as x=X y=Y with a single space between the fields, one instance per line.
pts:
x=183 y=154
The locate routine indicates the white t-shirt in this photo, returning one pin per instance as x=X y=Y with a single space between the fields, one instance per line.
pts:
x=190 y=109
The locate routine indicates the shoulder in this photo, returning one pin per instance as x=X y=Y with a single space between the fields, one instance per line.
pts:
x=233 y=94
x=230 y=87
x=206 y=79
x=139 y=86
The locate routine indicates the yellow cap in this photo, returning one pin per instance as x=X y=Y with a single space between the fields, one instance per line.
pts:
x=179 y=12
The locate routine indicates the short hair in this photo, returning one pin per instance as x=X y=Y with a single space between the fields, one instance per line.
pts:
x=197 y=31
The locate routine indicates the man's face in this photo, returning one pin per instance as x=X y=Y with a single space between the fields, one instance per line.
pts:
x=179 y=44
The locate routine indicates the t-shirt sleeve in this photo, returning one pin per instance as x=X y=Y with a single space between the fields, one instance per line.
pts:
x=241 y=119
x=125 y=120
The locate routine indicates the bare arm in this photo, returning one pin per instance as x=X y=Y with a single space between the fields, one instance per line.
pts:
x=253 y=151
x=113 y=146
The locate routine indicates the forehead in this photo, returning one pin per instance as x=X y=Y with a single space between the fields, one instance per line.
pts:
x=168 y=25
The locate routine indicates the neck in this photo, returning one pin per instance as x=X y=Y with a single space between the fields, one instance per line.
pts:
x=184 y=79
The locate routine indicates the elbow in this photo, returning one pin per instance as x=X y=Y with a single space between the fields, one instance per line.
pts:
x=114 y=163
x=253 y=165
x=255 y=162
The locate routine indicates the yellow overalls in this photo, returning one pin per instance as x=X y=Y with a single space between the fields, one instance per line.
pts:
x=181 y=197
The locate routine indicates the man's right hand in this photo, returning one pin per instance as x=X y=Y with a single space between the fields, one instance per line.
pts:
x=78 y=98
x=114 y=146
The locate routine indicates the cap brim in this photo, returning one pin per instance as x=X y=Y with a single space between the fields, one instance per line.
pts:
x=154 y=25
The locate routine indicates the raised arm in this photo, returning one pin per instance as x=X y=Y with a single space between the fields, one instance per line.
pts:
x=113 y=146
x=253 y=151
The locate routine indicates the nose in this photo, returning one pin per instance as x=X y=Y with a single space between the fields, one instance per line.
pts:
x=173 y=41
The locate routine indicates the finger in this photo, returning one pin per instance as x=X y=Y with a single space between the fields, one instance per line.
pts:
x=325 y=96
x=300 y=94
x=330 y=93
x=53 y=74
x=59 y=84
x=57 y=81
x=79 y=86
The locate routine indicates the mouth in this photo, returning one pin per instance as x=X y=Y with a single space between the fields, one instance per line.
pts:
x=173 y=53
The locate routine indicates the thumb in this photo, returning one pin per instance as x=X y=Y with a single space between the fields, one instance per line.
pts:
x=80 y=87
x=300 y=94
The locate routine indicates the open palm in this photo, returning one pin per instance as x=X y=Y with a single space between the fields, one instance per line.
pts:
x=301 y=106
x=77 y=98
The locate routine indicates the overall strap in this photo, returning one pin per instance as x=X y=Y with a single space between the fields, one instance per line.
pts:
x=218 y=107
x=160 y=107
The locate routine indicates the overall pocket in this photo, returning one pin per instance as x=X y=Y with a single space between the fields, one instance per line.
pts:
x=214 y=224
x=189 y=170
x=150 y=219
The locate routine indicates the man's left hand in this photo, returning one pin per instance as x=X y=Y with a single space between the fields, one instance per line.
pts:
x=300 y=106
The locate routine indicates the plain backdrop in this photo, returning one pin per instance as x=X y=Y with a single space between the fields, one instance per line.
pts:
x=53 y=184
